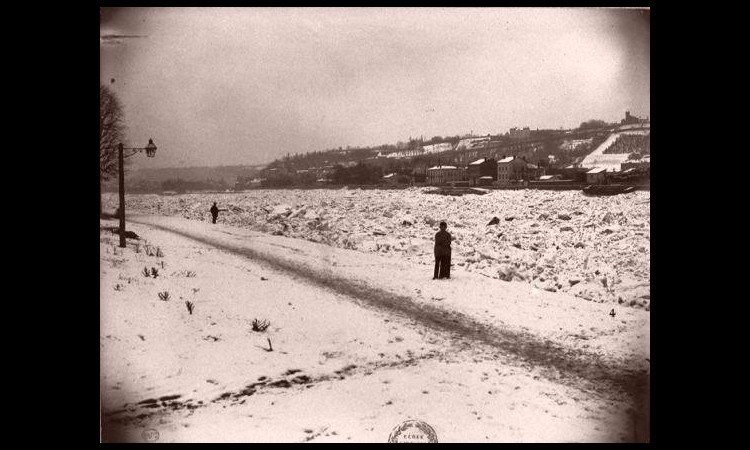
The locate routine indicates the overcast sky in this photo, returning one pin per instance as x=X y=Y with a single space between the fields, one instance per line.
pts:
x=224 y=86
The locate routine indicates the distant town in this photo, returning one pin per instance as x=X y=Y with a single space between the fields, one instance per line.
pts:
x=596 y=153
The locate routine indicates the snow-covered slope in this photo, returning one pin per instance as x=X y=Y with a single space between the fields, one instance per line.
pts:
x=612 y=161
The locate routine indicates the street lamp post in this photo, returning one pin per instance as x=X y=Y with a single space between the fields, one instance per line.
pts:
x=150 y=152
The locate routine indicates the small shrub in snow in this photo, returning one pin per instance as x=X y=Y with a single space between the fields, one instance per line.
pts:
x=159 y=253
x=164 y=296
x=154 y=272
x=189 y=306
x=260 y=325
x=117 y=262
x=146 y=273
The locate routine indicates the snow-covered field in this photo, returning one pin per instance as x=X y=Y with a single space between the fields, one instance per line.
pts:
x=357 y=342
x=596 y=248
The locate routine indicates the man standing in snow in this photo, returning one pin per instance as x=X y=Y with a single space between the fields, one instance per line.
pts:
x=214 y=212
x=442 y=253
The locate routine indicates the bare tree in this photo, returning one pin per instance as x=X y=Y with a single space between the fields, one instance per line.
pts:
x=111 y=133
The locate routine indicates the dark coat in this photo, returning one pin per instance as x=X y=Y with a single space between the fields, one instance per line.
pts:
x=442 y=242
x=214 y=210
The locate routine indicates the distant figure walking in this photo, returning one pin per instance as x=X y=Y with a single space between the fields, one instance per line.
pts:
x=214 y=212
x=442 y=253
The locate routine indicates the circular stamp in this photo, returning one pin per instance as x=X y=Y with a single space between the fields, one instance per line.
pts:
x=413 y=431
x=150 y=435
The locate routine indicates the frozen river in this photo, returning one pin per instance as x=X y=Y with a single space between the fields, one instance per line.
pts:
x=596 y=248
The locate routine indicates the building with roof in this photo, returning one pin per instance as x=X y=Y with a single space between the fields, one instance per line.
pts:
x=517 y=133
x=445 y=174
x=573 y=172
x=597 y=175
x=511 y=169
x=631 y=119
x=485 y=167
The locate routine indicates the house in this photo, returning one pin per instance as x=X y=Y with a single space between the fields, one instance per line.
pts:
x=510 y=169
x=573 y=172
x=485 y=167
x=630 y=119
x=516 y=133
x=597 y=175
x=445 y=174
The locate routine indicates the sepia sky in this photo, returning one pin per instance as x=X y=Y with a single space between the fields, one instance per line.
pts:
x=224 y=86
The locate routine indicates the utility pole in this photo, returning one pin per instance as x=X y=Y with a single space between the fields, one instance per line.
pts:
x=150 y=152
x=121 y=160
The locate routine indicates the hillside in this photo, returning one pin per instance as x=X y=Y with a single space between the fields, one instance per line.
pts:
x=563 y=146
x=617 y=149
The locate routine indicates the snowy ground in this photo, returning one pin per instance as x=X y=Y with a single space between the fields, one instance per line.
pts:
x=361 y=342
x=596 y=248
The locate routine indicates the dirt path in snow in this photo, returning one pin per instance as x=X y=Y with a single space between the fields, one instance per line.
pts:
x=621 y=380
